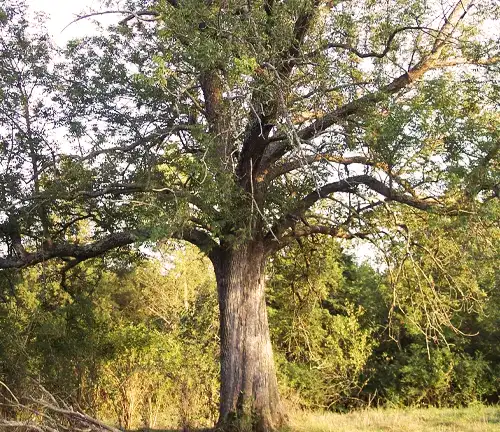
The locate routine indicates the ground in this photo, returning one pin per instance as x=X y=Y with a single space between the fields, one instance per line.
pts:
x=473 y=419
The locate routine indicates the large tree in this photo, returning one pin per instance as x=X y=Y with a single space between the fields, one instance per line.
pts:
x=241 y=127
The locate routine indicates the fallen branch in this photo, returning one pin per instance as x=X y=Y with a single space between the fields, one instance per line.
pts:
x=42 y=416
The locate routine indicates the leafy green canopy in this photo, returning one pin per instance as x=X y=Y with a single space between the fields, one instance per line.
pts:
x=224 y=122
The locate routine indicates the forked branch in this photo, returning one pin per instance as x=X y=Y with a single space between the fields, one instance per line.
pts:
x=431 y=61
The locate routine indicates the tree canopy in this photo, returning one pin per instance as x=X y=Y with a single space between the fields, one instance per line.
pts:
x=214 y=122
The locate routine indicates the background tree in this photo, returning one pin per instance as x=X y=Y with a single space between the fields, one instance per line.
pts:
x=123 y=343
x=240 y=128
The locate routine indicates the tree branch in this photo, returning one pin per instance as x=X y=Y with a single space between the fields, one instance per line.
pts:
x=78 y=416
x=199 y=238
x=260 y=124
x=465 y=61
x=360 y=54
x=26 y=425
x=292 y=165
x=333 y=231
x=131 y=15
x=75 y=253
x=215 y=112
x=151 y=139
x=416 y=72
x=74 y=250
x=347 y=185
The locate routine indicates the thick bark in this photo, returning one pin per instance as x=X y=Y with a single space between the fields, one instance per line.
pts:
x=249 y=390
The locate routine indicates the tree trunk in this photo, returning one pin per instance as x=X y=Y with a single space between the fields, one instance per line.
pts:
x=249 y=398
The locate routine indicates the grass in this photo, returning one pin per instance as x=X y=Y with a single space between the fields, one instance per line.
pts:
x=473 y=419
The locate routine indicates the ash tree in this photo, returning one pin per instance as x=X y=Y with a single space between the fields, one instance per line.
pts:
x=241 y=127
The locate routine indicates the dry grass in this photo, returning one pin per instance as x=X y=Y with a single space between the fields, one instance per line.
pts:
x=473 y=419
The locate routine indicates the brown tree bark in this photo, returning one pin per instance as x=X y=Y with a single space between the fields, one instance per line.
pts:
x=249 y=398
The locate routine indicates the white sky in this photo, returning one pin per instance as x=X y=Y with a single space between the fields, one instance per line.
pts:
x=62 y=12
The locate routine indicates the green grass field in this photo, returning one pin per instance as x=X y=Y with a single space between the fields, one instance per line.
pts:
x=474 y=419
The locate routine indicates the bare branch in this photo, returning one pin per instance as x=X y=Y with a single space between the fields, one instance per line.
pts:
x=26 y=425
x=131 y=15
x=78 y=416
x=51 y=417
x=353 y=50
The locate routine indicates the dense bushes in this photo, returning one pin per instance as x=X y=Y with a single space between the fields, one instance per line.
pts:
x=137 y=344
x=344 y=342
x=317 y=329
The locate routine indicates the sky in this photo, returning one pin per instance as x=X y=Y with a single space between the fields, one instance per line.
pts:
x=62 y=12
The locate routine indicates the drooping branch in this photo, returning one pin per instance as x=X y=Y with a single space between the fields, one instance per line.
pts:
x=74 y=250
x=392 y=194
x=75 y=253
x=19 y=256
x=351 y=183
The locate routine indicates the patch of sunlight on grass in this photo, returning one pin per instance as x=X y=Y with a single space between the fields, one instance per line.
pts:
x=476 y=418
